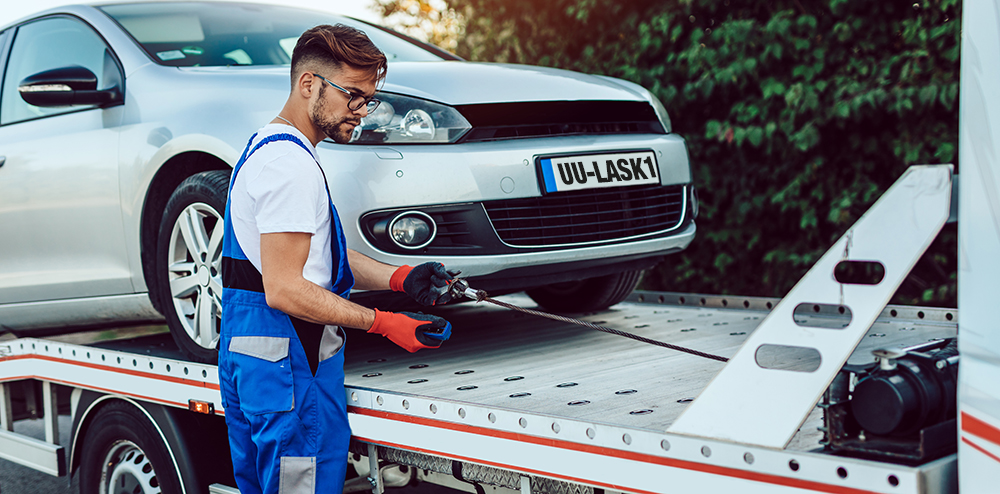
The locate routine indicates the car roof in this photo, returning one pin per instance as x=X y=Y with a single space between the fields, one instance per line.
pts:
x=86 y=9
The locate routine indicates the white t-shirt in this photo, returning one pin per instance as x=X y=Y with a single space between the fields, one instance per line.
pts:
x=280 y=189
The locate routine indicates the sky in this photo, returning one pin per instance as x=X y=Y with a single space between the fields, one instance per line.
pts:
x=12 y=10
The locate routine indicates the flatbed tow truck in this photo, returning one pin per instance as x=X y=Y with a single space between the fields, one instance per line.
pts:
x=826 y=390
x=511 y=397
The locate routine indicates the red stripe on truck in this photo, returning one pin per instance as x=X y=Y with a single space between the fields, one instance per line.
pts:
x=972 y=425
x=119 y=370
x=980 y=449
x=597 y=450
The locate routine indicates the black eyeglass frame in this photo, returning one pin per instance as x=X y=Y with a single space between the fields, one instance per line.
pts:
x=370 y=102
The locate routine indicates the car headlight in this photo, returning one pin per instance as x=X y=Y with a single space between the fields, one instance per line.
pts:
x=661 y=112
x=406 y=120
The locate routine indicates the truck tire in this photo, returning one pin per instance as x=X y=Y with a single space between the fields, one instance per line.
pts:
x=591 y=294
x=189 y=263
x=124 y=454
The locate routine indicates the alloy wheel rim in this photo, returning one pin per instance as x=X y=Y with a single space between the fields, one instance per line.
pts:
x=194 y=272
x=127 y=470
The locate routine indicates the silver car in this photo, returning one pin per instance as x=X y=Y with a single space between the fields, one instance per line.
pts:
x=120 y=124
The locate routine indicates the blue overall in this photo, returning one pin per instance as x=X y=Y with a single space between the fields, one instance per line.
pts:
x=286 y=414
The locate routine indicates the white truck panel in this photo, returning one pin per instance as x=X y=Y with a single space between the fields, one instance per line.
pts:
x=979 y=247
x=159 y=380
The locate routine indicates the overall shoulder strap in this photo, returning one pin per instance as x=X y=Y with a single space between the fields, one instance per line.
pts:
x=267 y=140
x=343 y=279
x=296 y=140
x=239 y=164
x=237 y=270
x=239 y=273
x=284 y=136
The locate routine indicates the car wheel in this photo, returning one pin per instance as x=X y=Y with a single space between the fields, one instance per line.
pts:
x=189 y=263
x=125 y=455
x=586 y=295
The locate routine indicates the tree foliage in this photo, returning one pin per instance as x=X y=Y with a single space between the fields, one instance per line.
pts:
x=798 y=114
x=431 y=21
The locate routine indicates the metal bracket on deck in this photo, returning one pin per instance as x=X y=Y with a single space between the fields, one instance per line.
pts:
x=767 y=390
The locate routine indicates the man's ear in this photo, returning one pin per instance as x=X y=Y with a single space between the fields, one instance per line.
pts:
x=304 y=84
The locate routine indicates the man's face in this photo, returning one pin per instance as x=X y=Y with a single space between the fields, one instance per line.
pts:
x=328 y=108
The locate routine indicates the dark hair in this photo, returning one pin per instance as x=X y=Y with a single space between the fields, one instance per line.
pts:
x=336 y=45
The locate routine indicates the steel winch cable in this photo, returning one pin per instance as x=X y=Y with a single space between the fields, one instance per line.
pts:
x=460 y=288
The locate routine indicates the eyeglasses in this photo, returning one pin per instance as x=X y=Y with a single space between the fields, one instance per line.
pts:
x=357 y=100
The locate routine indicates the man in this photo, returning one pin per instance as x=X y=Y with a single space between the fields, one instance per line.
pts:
x=288 y=274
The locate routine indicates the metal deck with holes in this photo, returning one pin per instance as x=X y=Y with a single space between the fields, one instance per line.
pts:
x=519 y=400
x=499 y=358
x=574 y=393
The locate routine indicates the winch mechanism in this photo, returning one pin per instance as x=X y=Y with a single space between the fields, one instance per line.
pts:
x=900 y=408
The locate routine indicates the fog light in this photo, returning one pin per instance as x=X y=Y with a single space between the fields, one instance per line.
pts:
x=693 y=199
x=412 y=230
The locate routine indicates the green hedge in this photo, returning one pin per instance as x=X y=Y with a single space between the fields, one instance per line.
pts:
x=797 y=115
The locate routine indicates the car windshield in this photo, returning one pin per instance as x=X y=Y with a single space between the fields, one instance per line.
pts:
x=217 y=34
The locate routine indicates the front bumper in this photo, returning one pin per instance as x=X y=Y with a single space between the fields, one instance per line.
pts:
x=367 y=179
x=579 y=219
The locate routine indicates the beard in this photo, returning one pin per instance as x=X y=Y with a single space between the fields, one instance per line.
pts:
x=338 y=129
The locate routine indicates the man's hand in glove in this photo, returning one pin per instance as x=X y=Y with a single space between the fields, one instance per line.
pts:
x=427 y=283
x=411 y=331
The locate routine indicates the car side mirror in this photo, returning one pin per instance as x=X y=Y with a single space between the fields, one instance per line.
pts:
x=66 y=86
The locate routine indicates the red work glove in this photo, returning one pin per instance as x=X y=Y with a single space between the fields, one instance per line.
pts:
x=427 y=283
x=411 y=331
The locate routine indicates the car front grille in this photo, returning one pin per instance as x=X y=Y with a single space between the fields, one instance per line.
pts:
x=587 y=216
x=500 y=121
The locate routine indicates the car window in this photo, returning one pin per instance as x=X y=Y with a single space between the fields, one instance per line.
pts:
x=192 y=34
x=47 y=44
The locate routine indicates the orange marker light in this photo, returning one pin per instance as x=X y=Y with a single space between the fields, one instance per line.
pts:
x=201 y=406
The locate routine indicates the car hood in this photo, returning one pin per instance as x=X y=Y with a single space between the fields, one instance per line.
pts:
x=464 y=83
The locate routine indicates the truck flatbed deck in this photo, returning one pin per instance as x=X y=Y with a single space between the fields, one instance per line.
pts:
x=516 y=393
x=500 y=358
x=519 y=401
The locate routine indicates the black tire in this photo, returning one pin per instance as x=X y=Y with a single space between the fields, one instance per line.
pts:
x=123 y=453
x=199 y=201
x=591 y=294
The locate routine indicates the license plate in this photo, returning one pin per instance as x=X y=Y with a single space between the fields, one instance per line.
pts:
x=595 y=171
